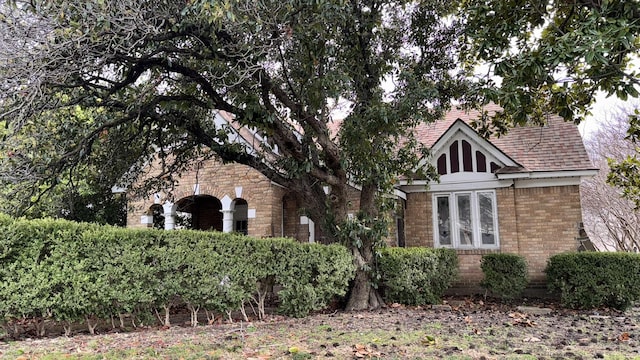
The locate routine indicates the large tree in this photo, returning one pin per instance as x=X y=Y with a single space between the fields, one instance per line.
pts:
x=542 y=56
x=154 y=72
x=612 y=221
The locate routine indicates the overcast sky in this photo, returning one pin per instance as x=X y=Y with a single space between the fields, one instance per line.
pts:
x=602 y=109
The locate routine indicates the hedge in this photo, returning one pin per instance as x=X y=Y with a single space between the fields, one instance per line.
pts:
x=593 y=279
x=505 y=275
x=69 y=272
x=416 y=276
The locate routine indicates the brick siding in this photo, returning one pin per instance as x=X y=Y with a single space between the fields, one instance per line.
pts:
x=533 y=222
x=217 y=180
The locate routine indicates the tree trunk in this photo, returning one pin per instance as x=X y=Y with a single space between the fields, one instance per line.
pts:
x=363 y=295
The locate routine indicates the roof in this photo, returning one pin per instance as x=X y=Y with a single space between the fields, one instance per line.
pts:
x=556 y=146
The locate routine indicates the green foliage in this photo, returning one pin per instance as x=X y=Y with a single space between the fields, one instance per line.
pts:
x=417 y=276
x=81 y=193
x=278 y=67
x=549 y=56
x=505 y=275
x=311 y=276
x=67 y=271
x=592 y=279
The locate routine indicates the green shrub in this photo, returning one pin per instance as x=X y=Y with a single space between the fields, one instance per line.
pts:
x=416 y=276
x=70 y=272
x=311 y=275
x=592 y=279
x=505 y=275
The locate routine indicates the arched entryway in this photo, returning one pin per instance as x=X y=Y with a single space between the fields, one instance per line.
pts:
x=240 y=216
x=199 y=212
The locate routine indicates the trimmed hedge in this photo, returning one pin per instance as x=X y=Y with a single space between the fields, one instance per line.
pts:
x=505 y=275
x=70 y=272
x=416 y=276
x=592 y=279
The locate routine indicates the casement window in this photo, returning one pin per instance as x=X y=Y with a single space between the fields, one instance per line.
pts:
x=465 y=220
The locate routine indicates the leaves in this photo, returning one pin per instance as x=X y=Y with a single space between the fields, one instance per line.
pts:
x=550 y=57
x=361 y=351
x=521 y=319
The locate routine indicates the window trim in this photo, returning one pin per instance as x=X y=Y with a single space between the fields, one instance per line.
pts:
x=475 y=219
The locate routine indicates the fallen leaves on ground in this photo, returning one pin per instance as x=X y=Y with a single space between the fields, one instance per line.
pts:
x=363 y=352
x=521 y=319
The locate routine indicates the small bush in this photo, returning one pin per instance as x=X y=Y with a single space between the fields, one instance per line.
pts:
x=505 y=275
x=592 y=279
x=417 y=276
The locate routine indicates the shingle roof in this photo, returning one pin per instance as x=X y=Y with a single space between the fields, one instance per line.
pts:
x=553 y=147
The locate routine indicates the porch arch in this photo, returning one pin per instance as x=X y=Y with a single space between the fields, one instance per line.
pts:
x=200 y=212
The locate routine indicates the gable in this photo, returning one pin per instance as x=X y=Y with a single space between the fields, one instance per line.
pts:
x=461 y=155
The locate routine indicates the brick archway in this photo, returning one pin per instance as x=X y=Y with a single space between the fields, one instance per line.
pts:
x=204 y=211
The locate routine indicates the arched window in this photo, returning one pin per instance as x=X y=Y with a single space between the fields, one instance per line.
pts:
x=156 y=211
x=442 y=164
x=481 y=162
x=467 y=159
x=241 y=216
x=455 y=162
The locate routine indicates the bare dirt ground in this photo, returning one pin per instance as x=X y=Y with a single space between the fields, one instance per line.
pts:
x=463 y=328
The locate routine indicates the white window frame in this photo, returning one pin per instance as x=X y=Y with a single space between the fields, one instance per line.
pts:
x=475 y=219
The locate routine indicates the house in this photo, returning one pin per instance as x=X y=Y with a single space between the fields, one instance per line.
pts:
x=519 y=193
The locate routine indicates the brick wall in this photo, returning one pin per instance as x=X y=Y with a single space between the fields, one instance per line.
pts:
x=533 y=222
x=217 y=180
x=547 y=224
x=418 y=223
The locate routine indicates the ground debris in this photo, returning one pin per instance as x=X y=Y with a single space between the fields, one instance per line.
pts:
x=521 y=319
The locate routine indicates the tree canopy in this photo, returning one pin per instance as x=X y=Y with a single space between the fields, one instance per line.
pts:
x=546 y=56
x=611 y=220
x=539 y=57
x=153 y=73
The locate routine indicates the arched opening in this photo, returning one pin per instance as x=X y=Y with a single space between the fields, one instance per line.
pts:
x=290 y=216
x=199 y=212
x=241 y=216
x=156 y=211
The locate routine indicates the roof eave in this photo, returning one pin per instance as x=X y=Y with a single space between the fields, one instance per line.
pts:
x=548 y=174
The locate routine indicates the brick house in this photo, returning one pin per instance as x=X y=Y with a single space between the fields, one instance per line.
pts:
x=519 y=193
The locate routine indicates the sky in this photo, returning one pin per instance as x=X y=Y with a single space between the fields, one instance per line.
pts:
x=603 y=108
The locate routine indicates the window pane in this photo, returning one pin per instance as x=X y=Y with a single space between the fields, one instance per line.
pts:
x=442 y=165
x=453 y=153
x=467 y=160
x=464 y=226
x=481 y=162
x=487 y=232
x=444 y=221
